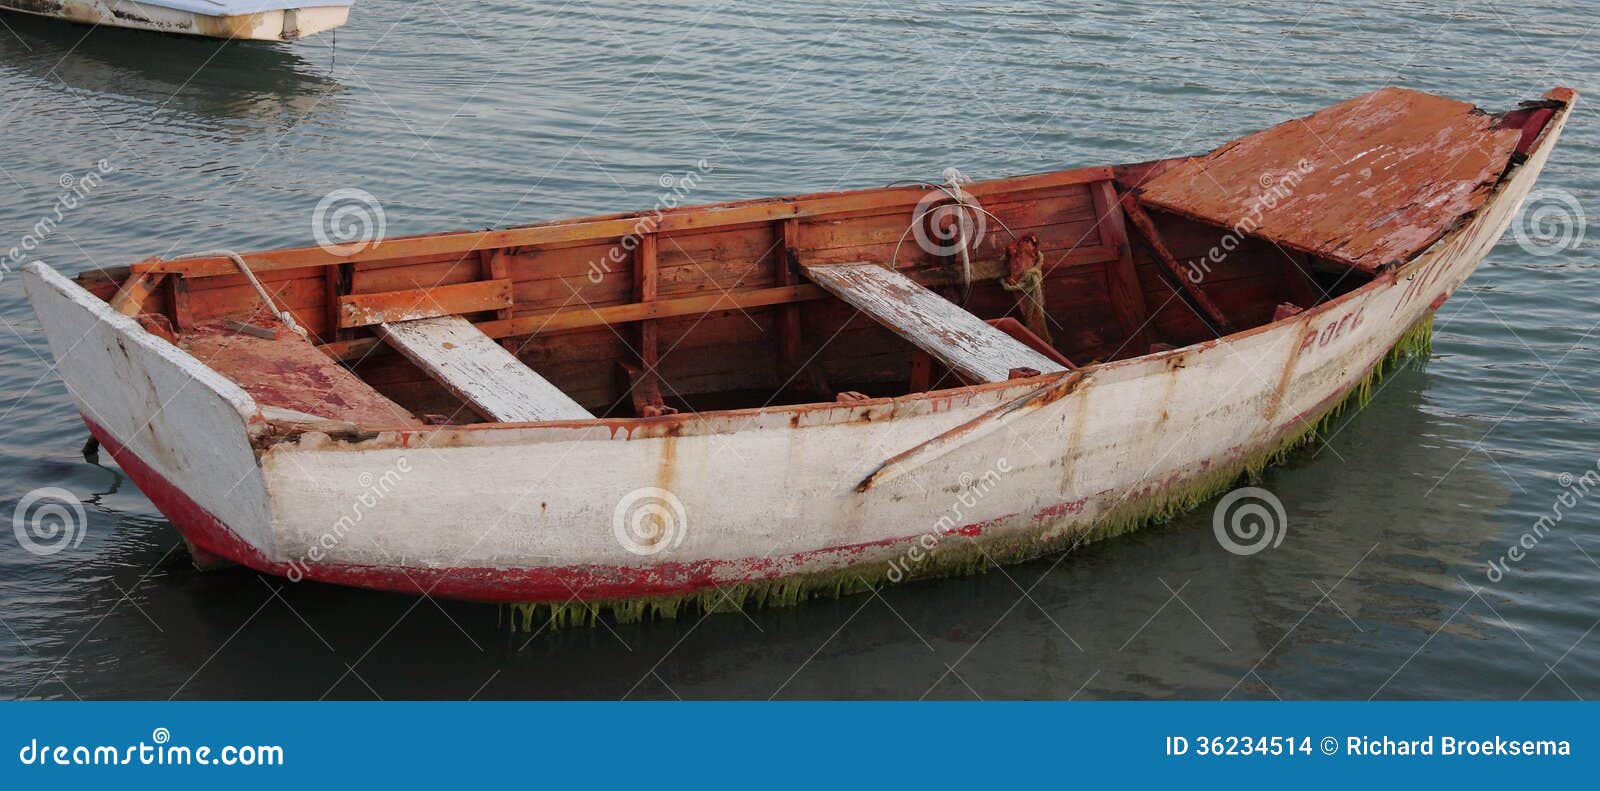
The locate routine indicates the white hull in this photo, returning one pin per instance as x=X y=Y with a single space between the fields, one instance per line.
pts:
x=529 y=513
x=271 y=25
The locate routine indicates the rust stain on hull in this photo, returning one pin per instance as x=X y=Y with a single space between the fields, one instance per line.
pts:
x=1366 y=183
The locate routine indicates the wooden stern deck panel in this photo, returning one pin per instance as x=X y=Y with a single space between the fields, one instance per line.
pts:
x=1366 y=183
x=963 y=342
x=479 y=371
x=278 y=368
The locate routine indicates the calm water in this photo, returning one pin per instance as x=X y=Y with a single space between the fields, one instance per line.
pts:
x=500 y=115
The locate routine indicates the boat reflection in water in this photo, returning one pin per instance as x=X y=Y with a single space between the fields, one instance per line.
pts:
x=203 y=79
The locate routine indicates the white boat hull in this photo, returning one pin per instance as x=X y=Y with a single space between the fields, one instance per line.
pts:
x=754 y=502
x=270 y=25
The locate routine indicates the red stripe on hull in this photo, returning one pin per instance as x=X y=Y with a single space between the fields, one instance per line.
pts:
x=564 y=583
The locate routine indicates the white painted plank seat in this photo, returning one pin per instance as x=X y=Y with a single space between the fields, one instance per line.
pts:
x=961 y=341
x=479 y=371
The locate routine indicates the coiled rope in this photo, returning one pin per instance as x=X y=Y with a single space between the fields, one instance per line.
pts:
x=1029 y=286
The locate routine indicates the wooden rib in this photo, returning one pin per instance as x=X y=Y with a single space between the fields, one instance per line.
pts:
x=646 y=389
x=496 y=265
x=787 y=262
x=361 y=310
x=1122 y=279
x=131 y=296
x=615 y=226
x=180 y=303
x=1147 y=228
x=336 y=283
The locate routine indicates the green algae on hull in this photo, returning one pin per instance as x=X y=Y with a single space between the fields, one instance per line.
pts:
x=979 y=554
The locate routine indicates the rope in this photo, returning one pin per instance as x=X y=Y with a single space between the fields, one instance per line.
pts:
x=1029 y=285
x=238 y=261
x=954 y=178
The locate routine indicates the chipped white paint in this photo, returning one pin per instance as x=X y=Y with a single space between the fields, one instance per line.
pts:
x=965 y=343
x=772 y=491
x=259 y=20
x=184 y=420
x=480 y=371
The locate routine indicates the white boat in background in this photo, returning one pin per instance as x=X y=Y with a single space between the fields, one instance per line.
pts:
x=250 y=20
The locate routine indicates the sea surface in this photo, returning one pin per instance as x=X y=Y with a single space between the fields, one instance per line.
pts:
x=471 y=115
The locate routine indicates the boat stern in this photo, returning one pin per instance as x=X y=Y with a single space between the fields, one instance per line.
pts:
x=181 y=431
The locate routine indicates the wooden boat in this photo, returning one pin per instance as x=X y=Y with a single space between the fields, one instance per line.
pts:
x=752 y=402
x=253 y=20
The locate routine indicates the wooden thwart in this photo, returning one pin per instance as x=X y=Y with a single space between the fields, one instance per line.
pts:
x=961 y=341
x=479 y=371
x=361 y=310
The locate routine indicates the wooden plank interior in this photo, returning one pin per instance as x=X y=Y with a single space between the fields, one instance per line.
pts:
x=480 y=372
x=961 y=341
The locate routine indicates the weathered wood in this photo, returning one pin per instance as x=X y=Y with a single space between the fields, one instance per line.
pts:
x=961 y=341
x=616 y=226
x=1147 y=229
x=787 y=266
x=281 y=369
x=130 y=297
x=361 y=310
x=583 y=318
x=336 y=281
x=1122 y=279
x=473 y=367
x=1423 y=163
x=645 y=382
x=180 y=302
x=495 y=265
